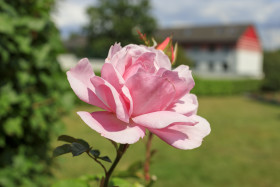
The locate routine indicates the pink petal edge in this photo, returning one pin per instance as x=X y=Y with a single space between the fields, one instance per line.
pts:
x=182 y=136
x=112 y=128
x=109 y=95
x=79 y=79
x=162 y=119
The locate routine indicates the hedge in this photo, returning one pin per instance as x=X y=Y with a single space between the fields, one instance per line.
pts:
x=33 y=94
x=224 y=87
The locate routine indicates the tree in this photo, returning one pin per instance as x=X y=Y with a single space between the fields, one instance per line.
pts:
x=113 y=21
x=32 y=91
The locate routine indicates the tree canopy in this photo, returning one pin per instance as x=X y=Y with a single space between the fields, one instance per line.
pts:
x=113 y=21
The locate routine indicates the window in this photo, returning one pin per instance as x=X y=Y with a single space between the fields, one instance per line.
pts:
x=211 y=66
x=225 y=66
x=195 y=65
x=195 y=49
x=212 y=48
x=226 y=48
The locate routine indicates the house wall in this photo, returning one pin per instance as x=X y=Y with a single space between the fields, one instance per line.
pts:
x=249 y=54
x=241 y=57
x=239 y=62
x=249 y=63
x=218 y=58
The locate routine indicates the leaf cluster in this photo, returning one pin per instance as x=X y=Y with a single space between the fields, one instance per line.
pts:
x=77 y=147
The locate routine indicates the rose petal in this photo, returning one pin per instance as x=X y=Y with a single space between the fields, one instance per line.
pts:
x=145 y=61
x=109 y=96
x=122 y=59
x=162 y=60
x=127 y=97
x=187 y=105
x=183 y=136
x=79 y=79
x=184 y=72
x=112 y=128
x=129 y=56
x=110 y=74
x=181 y=78
x=162 y=119
x=113 y=50
x=149 y=93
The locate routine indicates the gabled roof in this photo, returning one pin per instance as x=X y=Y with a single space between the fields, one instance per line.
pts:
x=213 y=33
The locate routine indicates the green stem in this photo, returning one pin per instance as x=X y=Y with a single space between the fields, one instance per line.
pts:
x=121 y=150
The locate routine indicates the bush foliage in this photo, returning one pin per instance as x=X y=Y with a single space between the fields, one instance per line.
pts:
x=224 y=87
x=271 y=67
x=31 y=88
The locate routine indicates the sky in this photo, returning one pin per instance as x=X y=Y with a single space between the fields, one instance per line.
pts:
x=70 y=15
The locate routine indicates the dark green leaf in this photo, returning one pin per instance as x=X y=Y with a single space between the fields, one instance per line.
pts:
x=95 y=152
x=83 y=142
x=66 y=138
x=78 y=149
x=60 y=150
x=71 y=139
x=105 y=158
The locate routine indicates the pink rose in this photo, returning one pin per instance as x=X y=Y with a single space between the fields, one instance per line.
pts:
x=139 y=91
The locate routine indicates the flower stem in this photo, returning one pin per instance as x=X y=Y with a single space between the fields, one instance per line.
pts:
x=121 y=150
x=148 y=158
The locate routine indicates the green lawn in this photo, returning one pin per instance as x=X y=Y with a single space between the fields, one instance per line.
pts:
x=243 y=148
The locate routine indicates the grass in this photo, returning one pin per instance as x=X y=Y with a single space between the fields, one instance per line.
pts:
x=242 y=149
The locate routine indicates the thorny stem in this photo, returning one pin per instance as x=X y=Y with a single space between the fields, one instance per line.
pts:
x=148 y=158
x=121 y=150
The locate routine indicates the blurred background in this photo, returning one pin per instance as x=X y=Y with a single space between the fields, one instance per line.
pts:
x=232 y=47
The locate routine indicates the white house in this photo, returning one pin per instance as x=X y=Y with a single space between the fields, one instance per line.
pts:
x=221 y=51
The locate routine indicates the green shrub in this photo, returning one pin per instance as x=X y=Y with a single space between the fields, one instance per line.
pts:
x=32 y=88
x=271 y=67
x=224 y=87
